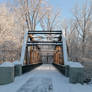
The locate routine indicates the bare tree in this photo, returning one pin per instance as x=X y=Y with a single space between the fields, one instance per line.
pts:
x=11 y=32
x=83 y=22
x=64 y=26
x=50 y=20
x=34 y=10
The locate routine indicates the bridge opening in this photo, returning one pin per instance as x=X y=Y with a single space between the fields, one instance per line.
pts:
x=44 y=47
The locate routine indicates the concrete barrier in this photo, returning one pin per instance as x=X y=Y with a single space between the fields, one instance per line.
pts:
x=67 y=70
x=76 y=73
x=17 y=68
x=6 y=74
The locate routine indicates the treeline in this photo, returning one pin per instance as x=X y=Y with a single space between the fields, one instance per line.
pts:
x=78 y=31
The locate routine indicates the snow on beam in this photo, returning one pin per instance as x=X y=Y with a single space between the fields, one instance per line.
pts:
x=64 y=49
x=23 y=48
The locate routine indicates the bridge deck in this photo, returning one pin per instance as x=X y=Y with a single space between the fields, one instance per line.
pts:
x=45 y=78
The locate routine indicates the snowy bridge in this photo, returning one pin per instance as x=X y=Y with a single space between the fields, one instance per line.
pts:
x=43 y=47
x=48 y=50
x=49 y=47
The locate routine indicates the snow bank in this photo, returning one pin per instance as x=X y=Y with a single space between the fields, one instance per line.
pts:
x=16 y=63
x=7 y=64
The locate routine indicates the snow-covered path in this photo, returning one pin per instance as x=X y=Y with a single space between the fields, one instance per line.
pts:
x=45 y=78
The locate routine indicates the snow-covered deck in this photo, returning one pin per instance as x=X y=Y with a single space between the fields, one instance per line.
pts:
x=45 y=78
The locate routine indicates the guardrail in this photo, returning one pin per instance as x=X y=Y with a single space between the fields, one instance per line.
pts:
x=27 y=68
x=61 y=68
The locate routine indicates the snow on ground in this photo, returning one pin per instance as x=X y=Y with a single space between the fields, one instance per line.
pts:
x=7 y=64
x=45 y=78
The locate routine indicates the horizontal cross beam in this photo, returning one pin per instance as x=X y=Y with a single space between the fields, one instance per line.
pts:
x=44 y=43
x=44 y=32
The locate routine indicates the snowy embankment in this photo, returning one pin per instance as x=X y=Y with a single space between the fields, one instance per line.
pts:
x=45 y=78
